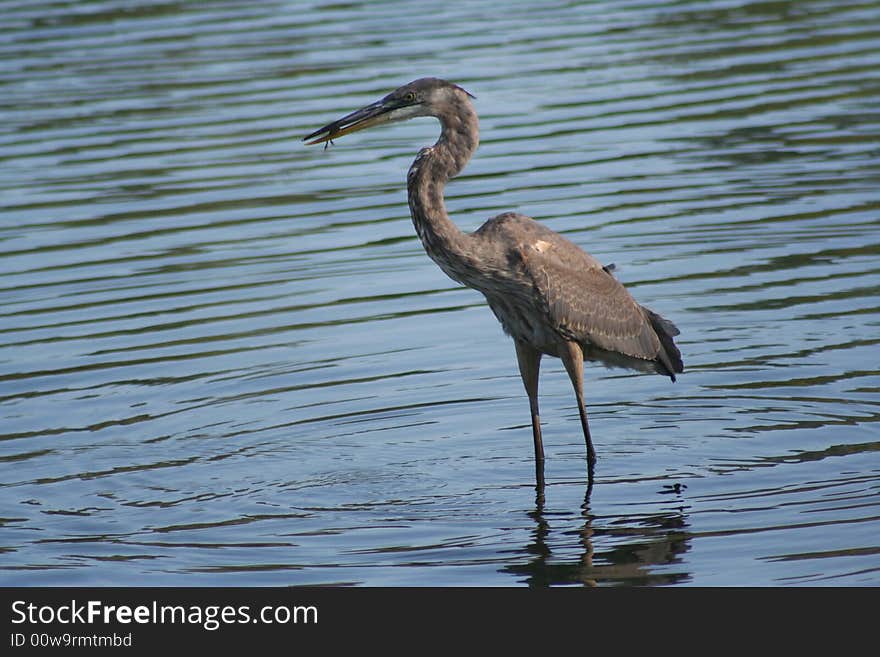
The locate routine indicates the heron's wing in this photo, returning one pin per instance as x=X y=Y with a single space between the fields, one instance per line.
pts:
x=551 y=278
x=583 y=300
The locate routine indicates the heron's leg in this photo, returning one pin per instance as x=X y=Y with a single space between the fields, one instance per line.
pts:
x=529 y=360
x=573 y=358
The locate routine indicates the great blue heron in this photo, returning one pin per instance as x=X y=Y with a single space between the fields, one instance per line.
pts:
x=549 y=295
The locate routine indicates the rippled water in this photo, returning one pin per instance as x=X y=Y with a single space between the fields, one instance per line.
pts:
x=225 y=358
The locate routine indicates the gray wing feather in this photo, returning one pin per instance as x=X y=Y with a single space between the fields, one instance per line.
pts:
x=581 y=299
x=540 y=285
x=587 y=304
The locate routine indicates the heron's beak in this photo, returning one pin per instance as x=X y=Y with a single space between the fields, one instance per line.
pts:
x=366 y=117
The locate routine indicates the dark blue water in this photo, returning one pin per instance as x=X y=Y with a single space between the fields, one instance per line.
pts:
x=226 y=359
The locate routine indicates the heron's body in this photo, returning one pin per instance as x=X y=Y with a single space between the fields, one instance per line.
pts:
x=550 y=296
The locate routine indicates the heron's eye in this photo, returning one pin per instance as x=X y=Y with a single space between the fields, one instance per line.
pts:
x=410 y=97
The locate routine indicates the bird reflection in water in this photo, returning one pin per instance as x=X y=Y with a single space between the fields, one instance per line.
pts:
x=633 y=547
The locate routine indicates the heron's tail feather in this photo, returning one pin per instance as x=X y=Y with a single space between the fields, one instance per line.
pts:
x=669 y=359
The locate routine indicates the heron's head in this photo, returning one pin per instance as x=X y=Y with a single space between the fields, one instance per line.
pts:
x=423 y=97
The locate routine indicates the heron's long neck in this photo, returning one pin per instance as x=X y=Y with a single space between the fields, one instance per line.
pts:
x=444 y=242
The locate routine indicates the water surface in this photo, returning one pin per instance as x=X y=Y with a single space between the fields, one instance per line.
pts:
x=225 y=358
